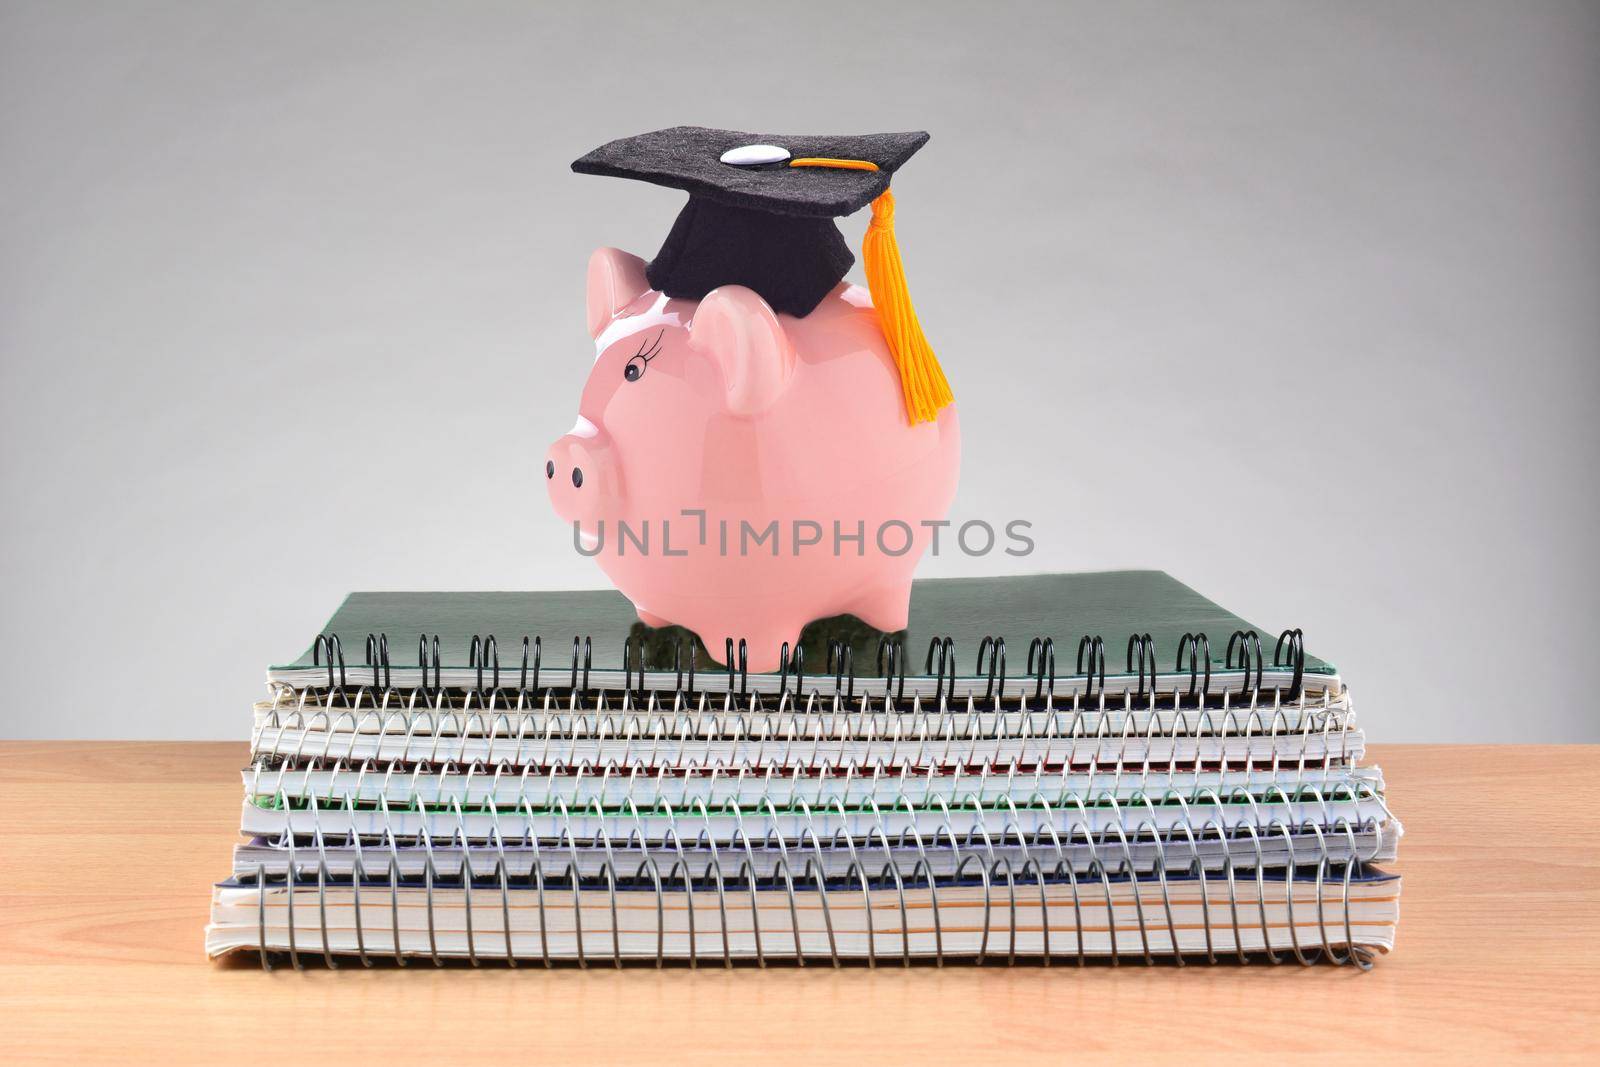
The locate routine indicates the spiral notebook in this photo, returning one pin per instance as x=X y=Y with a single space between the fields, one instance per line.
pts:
x=1038 y=768
x=602 y=623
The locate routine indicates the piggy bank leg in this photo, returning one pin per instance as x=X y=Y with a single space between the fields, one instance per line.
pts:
x=886 y=608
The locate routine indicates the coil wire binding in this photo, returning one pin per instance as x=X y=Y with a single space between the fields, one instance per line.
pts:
x=1311 y=740
x=558 y=797
x=482 y=681
x=1127 y=875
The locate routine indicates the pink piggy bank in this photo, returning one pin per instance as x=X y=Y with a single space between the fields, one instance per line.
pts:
x=740 y=472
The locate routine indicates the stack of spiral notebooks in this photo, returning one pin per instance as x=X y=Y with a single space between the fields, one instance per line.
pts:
x=539 y=778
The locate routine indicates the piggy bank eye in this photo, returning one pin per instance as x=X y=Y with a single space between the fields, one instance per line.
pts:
x=641 y=359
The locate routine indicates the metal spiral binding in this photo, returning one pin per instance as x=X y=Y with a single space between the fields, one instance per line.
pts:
x=871 y=866
x=484 y=652
x=1294 y=654
x=526 y=735
x=523 y=687
x=479 y=784
x=628 y=689
x=677 y=666
x=588 y=655
x=1147 y=656
x=1249 y=644
x=428 y=656
x=840 y=652
x=1065 y=826
x=1045 y=648
x=1198 y=646
x=893 y=683
x=328 y=645
x=947 y=658
x=896 y=666
x=797 y=663
x=996 y=648
x=743 y=664
x=1046 y=809
x=1096 y=648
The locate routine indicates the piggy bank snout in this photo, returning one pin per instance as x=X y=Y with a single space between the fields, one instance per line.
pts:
x=574 y=475
x=568 y=462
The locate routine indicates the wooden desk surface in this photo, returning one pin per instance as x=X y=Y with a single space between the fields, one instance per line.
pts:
x=108 y=851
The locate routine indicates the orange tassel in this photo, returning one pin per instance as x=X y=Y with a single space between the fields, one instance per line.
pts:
x=922 y=380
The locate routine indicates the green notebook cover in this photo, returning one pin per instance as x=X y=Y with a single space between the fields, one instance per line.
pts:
x=1064 y=607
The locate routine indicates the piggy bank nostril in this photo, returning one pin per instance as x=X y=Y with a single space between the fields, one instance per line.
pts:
x=549 y=468
x=577 y=478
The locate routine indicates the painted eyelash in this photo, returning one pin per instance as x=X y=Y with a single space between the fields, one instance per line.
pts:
x=650 y=349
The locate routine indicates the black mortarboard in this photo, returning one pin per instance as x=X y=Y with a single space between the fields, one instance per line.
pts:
x=768 y=226
x=760 y=214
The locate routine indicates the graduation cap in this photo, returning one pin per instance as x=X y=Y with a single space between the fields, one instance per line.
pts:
x=760 y=214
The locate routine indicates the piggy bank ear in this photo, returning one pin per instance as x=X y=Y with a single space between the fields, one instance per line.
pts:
x=615 y=280
x=735 y=327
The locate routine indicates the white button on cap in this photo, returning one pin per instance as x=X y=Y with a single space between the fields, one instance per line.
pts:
x=753 y=155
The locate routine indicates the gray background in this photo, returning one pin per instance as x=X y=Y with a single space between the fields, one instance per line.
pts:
x=1296 y=301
